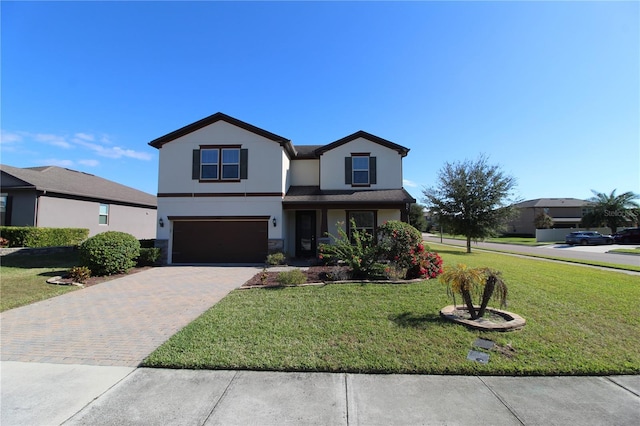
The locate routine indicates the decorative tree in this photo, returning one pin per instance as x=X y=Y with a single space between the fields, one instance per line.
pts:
x=472 y=198
x=484 y=282
x=612 y=210
x=543 y=221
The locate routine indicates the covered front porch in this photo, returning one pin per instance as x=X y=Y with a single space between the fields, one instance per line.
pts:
x=312 y=215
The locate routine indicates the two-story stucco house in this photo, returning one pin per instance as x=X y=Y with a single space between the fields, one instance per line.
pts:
x=231 y=192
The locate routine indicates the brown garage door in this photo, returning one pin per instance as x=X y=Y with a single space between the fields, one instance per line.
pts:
x=220 y=241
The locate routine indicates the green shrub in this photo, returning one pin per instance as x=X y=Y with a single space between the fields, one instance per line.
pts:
x=79 y=274
x=29 y=236
x=147 y=243
x=275 y=259
x=397 y=242
x=110 y=253
x=148 y=256
x=293 y=277
x=359 y=252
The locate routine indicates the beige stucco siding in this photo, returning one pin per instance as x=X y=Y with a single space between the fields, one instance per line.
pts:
x=221 y=206
x=305 y=172
x=65 y=213
x=264 y=157
x=389 y=165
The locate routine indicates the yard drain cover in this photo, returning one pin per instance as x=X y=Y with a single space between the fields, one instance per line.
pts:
x=481 y=357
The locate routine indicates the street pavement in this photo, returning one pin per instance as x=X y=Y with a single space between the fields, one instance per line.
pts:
x=57 y=379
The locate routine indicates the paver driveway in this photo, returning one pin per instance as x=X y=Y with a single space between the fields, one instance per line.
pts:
x=118 y=322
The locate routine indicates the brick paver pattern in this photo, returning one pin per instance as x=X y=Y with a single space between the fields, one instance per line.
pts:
x=119 y=322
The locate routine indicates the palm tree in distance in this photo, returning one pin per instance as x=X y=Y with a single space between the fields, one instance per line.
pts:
x=612 y=210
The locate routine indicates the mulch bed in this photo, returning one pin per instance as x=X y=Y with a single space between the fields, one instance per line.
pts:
x=314 y=274
x=97 y=280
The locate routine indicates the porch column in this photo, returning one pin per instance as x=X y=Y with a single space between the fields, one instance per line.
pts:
x=324 y=225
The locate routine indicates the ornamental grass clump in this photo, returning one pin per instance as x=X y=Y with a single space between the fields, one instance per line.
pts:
x=293 y=277
x=484 y=283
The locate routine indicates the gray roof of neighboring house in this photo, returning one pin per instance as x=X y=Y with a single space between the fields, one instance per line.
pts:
x=553 y=202
x=59 y=180
x=314 y=195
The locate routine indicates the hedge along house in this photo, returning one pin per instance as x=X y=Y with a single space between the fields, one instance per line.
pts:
x=55 y=197
x=230 y=192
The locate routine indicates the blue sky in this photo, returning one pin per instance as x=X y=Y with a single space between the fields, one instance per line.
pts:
x=548 y=90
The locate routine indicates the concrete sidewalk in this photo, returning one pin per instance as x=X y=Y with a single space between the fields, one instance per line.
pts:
x=53 y=394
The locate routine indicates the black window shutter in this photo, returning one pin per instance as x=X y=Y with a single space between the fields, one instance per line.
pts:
x=244 y=163
x=347 y=170
x=372 y=171
x=195 y=166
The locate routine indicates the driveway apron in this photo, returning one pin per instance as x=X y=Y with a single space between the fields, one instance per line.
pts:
x=119 y=322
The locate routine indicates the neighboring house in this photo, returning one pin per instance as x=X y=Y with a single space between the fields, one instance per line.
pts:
x=232 y=192
x=565 y=212
x=55 y=197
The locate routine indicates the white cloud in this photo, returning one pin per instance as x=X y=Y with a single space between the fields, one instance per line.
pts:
x=85 y=136
x=50 y=139
x=103 y=148
x=114 y=152
x=409 y=183
x=89 y=163
x=9 y=137
x=56 y=162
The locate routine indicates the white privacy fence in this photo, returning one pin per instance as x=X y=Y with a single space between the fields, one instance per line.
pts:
x=556 y=235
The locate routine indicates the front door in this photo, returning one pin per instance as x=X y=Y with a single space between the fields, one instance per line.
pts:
x=305 y=234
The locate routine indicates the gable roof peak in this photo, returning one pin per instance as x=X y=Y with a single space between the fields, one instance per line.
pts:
x=365 y=135
x=219 y=116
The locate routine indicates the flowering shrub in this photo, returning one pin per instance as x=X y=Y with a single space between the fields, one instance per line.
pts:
x=398 y=242
x=402 y=245
x=428 y=265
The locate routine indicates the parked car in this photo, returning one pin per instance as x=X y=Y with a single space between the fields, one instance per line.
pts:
x=631 y=235
x=587 y=237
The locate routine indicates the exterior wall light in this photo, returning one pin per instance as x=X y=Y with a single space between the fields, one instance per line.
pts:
x=161 y=223
x=274 y=221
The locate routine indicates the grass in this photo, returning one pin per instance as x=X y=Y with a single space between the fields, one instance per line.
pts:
x=524 y=241
x=562 y=259
x=579 y=321
x=24 y=278
x=635 y=251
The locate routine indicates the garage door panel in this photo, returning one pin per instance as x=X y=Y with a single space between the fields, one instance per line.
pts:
x=219 y=241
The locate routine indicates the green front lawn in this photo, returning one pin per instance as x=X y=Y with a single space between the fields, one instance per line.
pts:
x=630 y=250
x=524 y=241
x=579 y=321
x=23 y=277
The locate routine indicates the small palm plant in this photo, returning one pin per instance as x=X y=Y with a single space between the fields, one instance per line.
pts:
x=483 y=282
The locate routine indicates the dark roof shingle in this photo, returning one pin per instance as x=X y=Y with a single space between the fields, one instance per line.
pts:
x=71 y=182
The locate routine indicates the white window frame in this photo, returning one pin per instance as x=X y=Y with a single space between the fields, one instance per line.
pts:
x=101 y=214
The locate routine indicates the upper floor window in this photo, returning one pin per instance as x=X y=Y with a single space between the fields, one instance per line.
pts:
x=360 y=170
x=103 y=215
x=219 y=163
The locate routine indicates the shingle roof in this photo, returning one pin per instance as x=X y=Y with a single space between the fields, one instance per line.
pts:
x=553 y=202
x=219 y=116
x=71 y=182
x=307 y=151
x=362 y=134
x=314 y=195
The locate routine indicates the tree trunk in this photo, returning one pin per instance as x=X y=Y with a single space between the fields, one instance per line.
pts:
x=489 y=286
x=468 y=244
x=466 y=296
